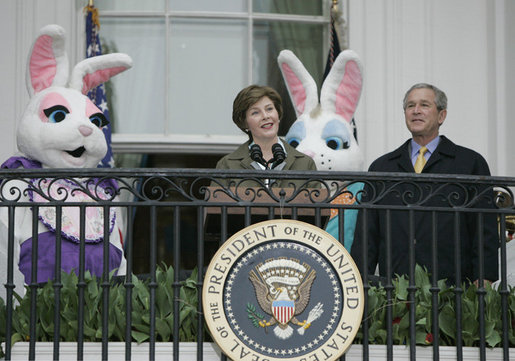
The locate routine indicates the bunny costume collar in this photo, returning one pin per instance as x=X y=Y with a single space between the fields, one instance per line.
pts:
x=23 y=162
x=49 y=188
x=27 y=163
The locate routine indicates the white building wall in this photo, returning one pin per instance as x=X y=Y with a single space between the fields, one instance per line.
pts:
x=8 y=86
x=461 y=46
x=464 y=47
x=20 y=21
x=506 y=85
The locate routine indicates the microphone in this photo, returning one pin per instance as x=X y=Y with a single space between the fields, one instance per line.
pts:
x=279 y=156
x=257 y=155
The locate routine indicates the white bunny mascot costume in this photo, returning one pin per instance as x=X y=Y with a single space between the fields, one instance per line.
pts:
x=61 y=128
x=323 y=130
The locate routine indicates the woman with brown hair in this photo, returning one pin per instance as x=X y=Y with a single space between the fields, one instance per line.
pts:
x=257 y=111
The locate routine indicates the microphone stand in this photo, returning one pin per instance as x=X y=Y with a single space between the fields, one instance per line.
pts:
x=278 y=157
x=257 y=155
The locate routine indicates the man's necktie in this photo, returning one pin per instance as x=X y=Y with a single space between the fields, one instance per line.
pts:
x=421 y=160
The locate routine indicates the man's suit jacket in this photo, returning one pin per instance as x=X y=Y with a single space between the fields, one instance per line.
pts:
x=240 y=159
x=448 y=158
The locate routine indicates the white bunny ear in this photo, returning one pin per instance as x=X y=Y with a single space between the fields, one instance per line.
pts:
x=94 y=71
x=48 y=63
x=301 y=86
x=342 y=88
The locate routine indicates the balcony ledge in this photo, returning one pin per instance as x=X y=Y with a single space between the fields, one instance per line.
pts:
x=188 y=352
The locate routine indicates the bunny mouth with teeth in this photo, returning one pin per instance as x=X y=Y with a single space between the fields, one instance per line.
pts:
x=77 y=153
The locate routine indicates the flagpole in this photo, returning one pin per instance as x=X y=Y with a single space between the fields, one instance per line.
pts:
x=334 y=10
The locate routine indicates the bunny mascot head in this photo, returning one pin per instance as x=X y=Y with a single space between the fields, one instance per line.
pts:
x=323 y=130
x=61 y=128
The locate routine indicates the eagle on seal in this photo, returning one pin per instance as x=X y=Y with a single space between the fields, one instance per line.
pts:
x=284 y=303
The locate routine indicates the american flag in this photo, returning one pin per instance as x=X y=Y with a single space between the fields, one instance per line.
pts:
x=334 y=50
x=98 y=94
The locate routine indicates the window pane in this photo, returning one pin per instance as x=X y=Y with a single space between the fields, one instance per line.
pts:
x=139 y=92
x=208 y=5
x=207 y=69
x=305 y=40
x=292 y=7
x=130 y=5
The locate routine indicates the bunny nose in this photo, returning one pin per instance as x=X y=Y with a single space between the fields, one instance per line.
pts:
x=85 y=131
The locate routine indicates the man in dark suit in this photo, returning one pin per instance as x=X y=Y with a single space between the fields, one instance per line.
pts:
x=432 y=238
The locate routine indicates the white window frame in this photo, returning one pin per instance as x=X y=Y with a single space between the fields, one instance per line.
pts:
x=203 y=144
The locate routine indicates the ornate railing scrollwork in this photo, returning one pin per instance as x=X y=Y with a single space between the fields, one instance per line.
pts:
x=248 y=186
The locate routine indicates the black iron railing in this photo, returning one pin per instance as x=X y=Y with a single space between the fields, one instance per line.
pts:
x=172 y=221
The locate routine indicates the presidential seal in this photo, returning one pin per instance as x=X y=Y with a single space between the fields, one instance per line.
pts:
x=283 y=290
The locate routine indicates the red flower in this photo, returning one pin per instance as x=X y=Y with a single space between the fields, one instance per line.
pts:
x=429 y=338
x=396 y=321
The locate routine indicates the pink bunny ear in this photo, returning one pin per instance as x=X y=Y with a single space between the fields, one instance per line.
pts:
x=301 y=86
x=342 y=87
x=92 y=72
x=48 y=63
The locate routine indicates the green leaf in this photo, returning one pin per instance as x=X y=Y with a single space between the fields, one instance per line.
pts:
x=420 y=337
x=381 y=335
x=447 y=321
x=187 y=318
x=401 y=288
x=140 y=336
x=469 y=338
x=162 y=329
x=493 y=337
x=162 y=306
x=169 y=319
x=16 y=337
x=146 y=319
x=88 y=331
x=92 y=288
x=141 y=327
x=399 y=309
x=470 y=325
x=421 y=321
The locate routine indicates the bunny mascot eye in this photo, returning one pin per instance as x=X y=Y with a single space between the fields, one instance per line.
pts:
x=294 y=142
x=323 y=129
x=99 y=120
x=336 y=135
x=60 y=128
x=296 y=134
x=56 y=113
x=336 y=143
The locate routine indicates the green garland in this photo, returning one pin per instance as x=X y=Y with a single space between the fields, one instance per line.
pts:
x=188 y=301
x=400 y=305
x=140 y=330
